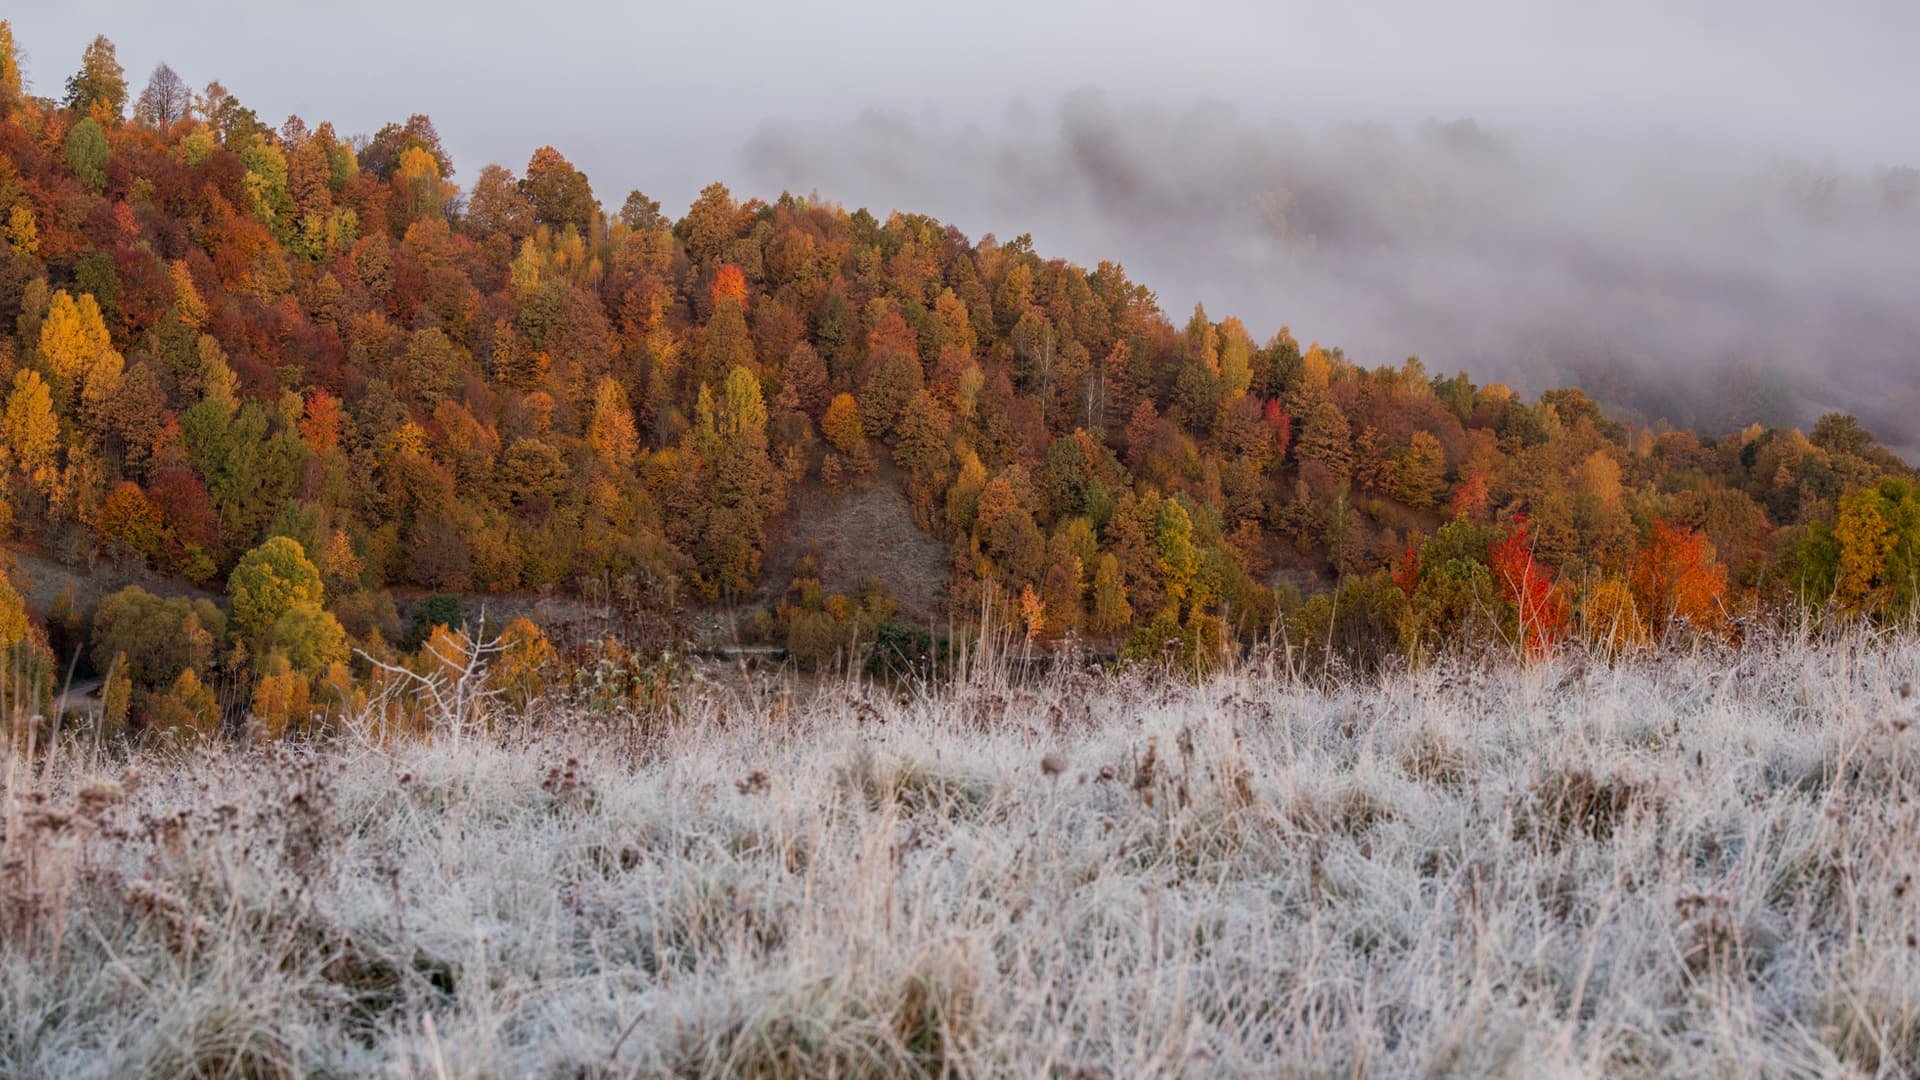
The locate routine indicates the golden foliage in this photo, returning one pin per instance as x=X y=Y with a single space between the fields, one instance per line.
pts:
x=1609 y=618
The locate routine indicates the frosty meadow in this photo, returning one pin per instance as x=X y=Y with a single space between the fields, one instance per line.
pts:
x=1691 y=864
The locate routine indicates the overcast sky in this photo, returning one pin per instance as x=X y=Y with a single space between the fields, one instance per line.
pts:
x=658 y=95
x=1636 y=187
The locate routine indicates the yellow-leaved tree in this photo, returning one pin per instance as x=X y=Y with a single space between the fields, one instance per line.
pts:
x=12 y=87
x=31 y=429
x=268 y=582
x=1878 y=533
x=1610 y=618
x=524 y=664
x=282 y=700
x=611 y=432
x=74 y=343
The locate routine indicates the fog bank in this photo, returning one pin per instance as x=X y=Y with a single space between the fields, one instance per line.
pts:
x=1673 y=278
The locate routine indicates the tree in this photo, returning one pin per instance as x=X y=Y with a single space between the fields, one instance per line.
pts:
x=23 y=230
x=533 y=474
x=1203 y=341
x=524 y=664
x=87 y=154
x=1841 y=433
x=1179 y=559
x=129 y=520
x=26 y=663
x=498 y=207
x=1032 y=611
x=31 y=428
x=282 y=699
x=515 y=365
x=710 y=223
x=1469 y=499
x=726 y=341
x=165 y=99
x=1676 y=578
x=1242 y=434
x=1236 y=358
x=423 y=192
x=12 y=88
x=236 y=124
x=309 y=637
x=116 y=698
x=249 y=457
x=729 y=284
x=885 y=396
x=1063 y=586
x=432 y=364
x=1325 y=438
x=340 y=565
x=1419 y=471
x=100 y=84
x=921 y=440
x=320 y=423
x=742 y=486
x=1610 y=617
x=559 y=193
x=803 y=382
x=1111 y=612
x=150 y=638
x=642 y=214
x=1878 y=536
x=14 y=627
x=963 y=497
x=1528 y=586
x=74 y=342
x=268 y=582
x=842 y=425
x=611 y=432
x=188 y=710
x=381 y=156
x=741 y=425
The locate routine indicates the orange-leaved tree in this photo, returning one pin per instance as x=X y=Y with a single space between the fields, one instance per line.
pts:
x=1676 y=578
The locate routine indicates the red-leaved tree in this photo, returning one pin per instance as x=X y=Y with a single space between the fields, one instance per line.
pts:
x=1528 y=585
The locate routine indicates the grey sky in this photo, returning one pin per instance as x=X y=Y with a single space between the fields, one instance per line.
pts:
x=657 y=95
x=1665 y=197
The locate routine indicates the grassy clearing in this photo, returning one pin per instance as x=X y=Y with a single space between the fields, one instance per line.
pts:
x=1696 y=865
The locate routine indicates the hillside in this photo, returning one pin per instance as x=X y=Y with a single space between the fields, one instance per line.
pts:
x=223 y=340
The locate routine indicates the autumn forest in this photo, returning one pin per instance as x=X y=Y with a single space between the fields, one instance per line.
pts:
x=317 y=381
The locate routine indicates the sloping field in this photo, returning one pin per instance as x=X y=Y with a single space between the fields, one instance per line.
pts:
x=1696 y=866
x=864 y=533
x=42 y=580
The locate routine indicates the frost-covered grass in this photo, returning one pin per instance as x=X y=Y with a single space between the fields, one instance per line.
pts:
x=1697 y=866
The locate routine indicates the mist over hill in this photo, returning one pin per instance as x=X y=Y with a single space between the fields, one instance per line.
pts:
x=1674 y=280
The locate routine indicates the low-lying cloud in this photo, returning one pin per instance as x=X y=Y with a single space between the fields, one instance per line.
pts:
x=1701 y=285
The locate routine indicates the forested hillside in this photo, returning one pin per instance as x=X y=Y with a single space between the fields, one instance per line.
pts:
x=311 y=368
